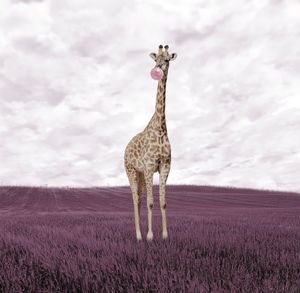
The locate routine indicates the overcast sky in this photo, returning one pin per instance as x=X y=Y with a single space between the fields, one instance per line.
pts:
x=75 y=87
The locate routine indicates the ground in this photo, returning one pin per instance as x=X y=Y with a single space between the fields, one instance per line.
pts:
x=83 y=240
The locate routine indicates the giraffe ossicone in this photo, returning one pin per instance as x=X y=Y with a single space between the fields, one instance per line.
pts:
x=150 y=151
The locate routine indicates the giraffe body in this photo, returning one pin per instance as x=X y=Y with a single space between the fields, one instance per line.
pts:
x=150 y=151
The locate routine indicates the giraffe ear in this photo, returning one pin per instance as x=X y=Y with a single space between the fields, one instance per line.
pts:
x=153 y=56
x=173 y=56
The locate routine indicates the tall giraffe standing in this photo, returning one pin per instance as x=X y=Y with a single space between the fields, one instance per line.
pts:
x=150 y=151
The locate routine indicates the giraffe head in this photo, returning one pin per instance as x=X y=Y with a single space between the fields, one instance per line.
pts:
x=162 y=59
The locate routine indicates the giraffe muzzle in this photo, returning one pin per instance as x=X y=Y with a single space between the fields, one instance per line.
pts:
x=156 y=73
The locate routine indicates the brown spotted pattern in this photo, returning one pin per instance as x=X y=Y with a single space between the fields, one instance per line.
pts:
x=150 y=151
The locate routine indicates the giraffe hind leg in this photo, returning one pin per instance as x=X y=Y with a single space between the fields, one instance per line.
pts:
x=141 y=190
x=149 y=183
x=141 y=184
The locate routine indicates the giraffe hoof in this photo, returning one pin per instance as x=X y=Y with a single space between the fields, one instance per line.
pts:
x=165 y=235
x=150 y=236
x=139 y=236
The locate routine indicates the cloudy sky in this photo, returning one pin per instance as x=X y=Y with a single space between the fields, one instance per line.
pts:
x=75 y=88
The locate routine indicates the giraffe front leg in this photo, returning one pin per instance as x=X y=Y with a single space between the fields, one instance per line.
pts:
x=137 y=205
x=164 y=172
x=149 y=183
x=133 y=180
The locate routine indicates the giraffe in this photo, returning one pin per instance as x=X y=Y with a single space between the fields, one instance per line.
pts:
x=150 y=151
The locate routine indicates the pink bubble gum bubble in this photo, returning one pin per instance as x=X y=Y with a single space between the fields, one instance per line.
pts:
x=157 y=73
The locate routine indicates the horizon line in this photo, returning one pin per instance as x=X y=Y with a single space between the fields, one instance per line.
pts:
x=128 y=186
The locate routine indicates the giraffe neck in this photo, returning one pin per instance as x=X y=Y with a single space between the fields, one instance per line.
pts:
x=161 y=102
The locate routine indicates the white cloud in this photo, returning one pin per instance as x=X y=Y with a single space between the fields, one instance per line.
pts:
x=75 y=87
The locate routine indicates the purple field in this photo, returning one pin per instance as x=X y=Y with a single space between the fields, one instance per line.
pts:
x=83 y=240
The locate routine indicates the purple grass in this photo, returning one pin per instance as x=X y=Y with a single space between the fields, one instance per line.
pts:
x=83 y=240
